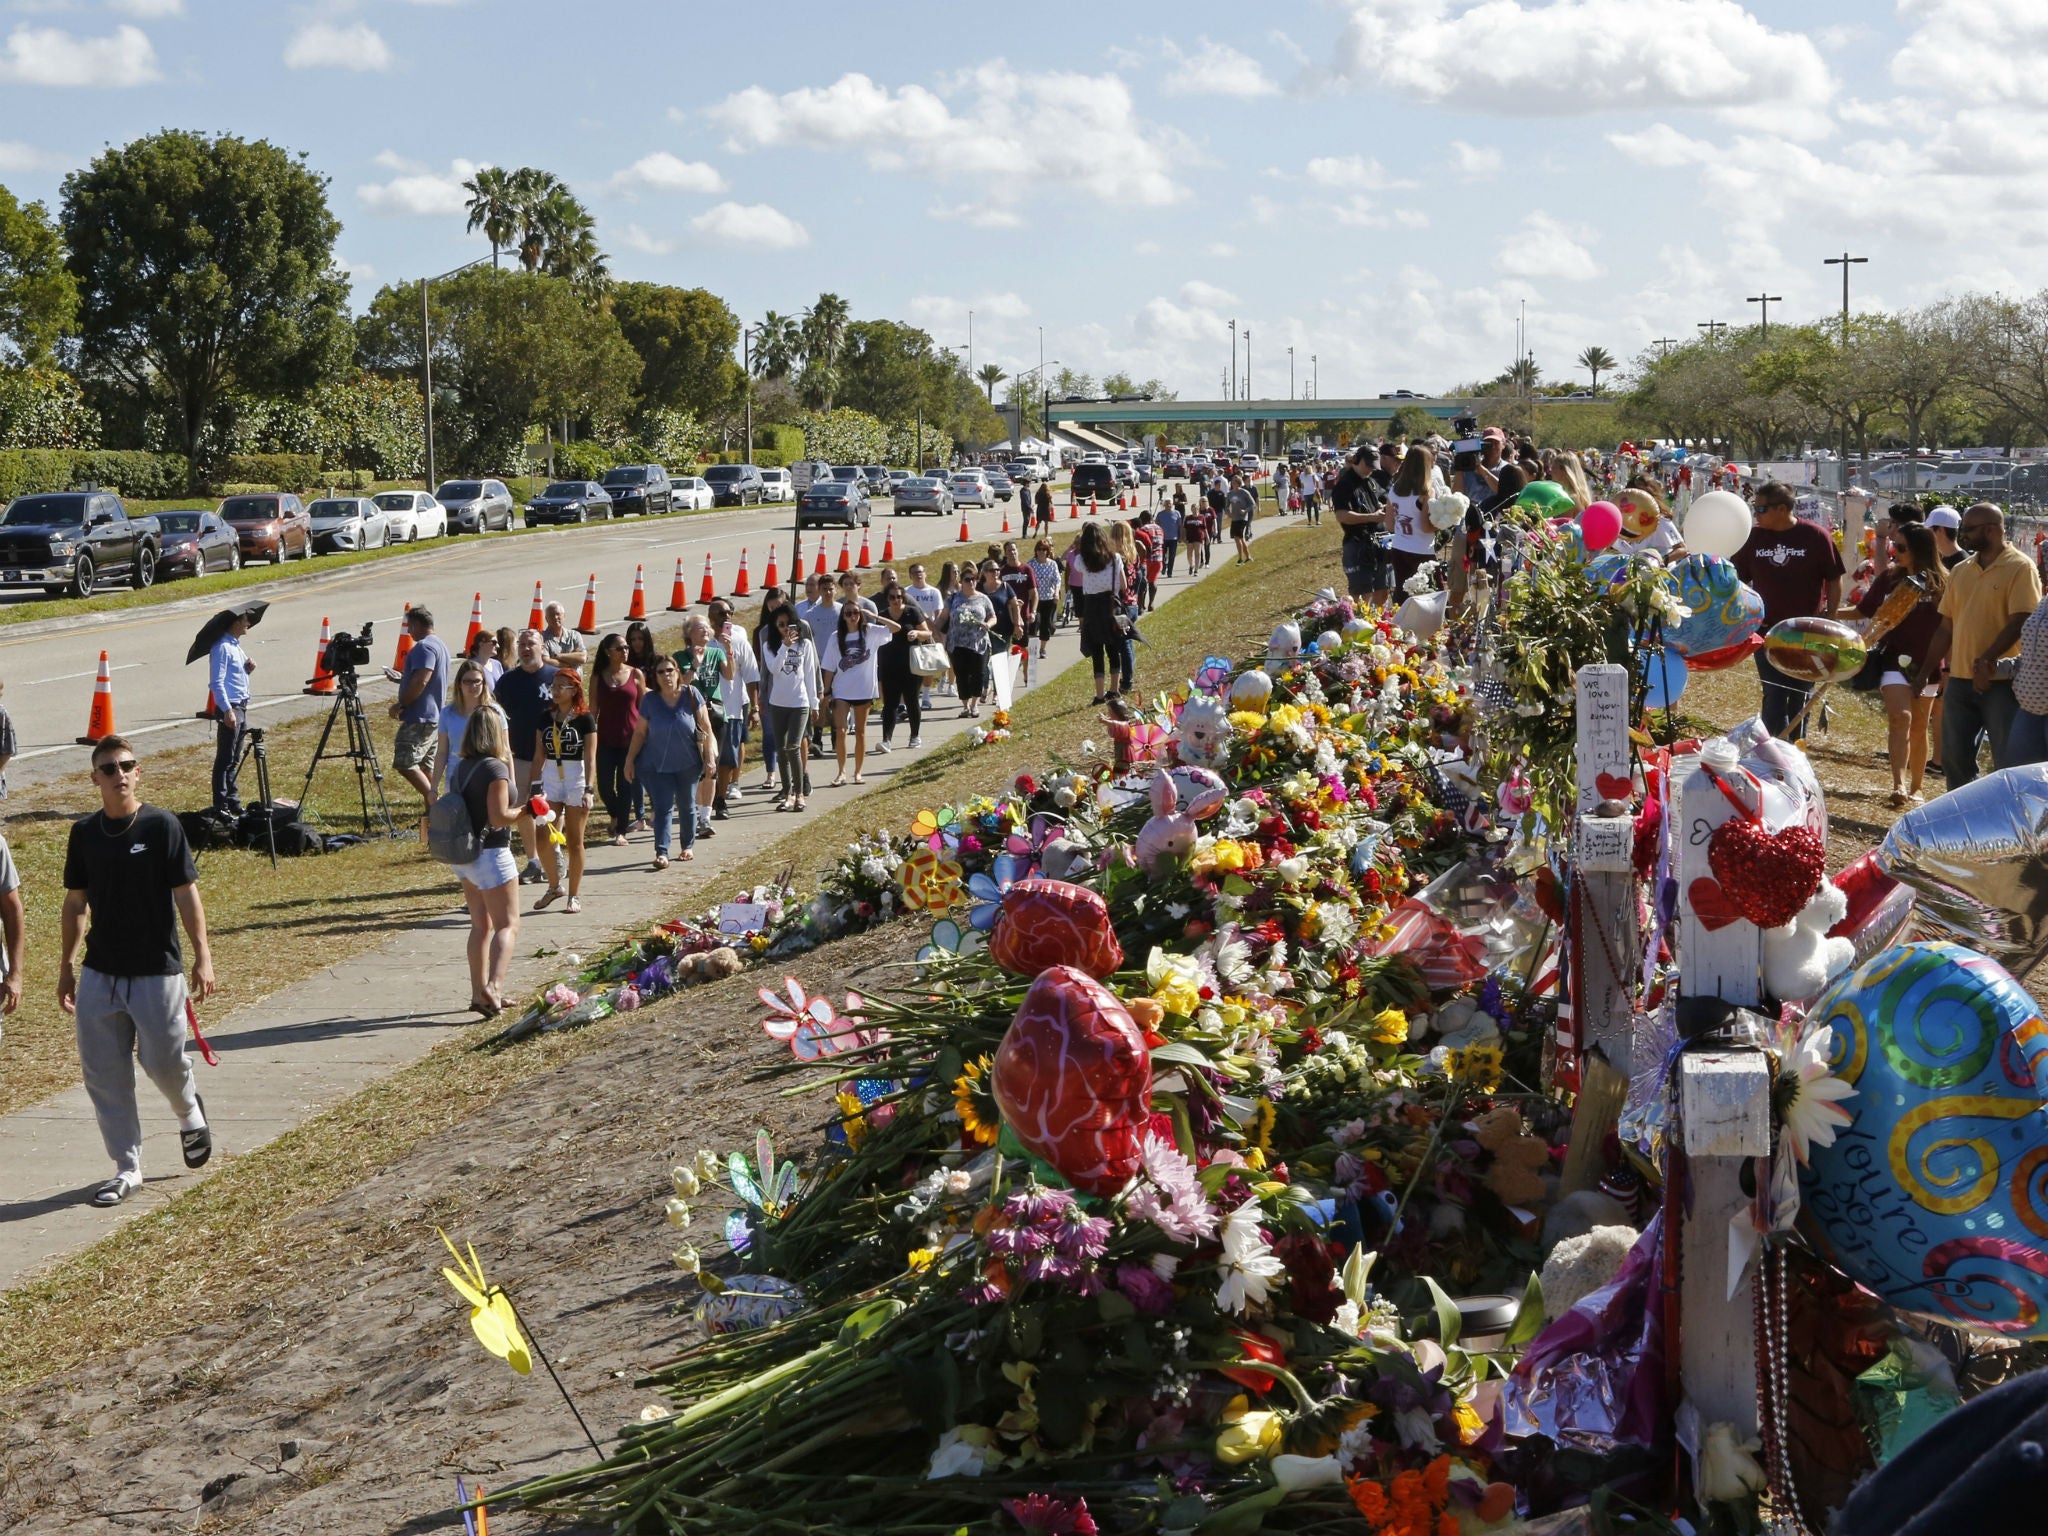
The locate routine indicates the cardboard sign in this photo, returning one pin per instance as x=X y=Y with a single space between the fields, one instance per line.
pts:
x=1002 y=671
x=742 y=917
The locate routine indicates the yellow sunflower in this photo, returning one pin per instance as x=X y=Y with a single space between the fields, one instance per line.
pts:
x=1479 y=1065
x=976 y=1105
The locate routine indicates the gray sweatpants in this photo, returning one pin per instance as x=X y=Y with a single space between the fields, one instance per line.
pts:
x=121 y=1018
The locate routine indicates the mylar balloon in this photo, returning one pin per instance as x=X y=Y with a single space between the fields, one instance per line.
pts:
x=1074 y=1080
x=1601 y=525
x=1727 y=656
x=1640 y=514
x=1607 y=567
x=1251 y=690
x=1930 y=1195
x=1814 y=649
x=1975 y=859
x=1547 y=498
x=1201 y=791
x=1667 y=675
x=1044 y=923
x=1879 y=907
x=1720 y=610
x=1717 y=524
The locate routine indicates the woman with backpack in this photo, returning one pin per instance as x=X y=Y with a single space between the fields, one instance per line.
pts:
x=482 y=776
x=565 y=768
x=672 y=752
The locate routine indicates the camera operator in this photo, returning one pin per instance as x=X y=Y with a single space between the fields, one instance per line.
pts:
x=422 y=690
x=1357 y=502
x=227 y=673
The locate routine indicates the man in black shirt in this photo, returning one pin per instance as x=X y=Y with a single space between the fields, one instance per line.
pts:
x=525 y=693
x=129 y=867
x=1358 y=502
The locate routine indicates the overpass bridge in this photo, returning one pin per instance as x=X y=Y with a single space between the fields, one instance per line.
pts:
x=1262 y=421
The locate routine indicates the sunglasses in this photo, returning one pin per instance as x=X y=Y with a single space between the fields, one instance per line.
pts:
x=117 y=769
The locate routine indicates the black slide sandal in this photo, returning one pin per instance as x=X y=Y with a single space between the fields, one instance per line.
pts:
x=198 y=1144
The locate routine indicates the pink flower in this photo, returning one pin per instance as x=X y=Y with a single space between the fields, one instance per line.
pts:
x=628 y=999
x=562 y=995
x=1145 y=1288
x=1040 y=1514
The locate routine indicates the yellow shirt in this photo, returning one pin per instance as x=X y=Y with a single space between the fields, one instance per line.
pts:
x=1980 y=599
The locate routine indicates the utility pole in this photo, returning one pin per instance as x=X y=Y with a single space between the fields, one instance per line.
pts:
x=1845 y=261
x=1290 y=373
x=1713 y=328
x=747 y=368
x=427 y=357
x=1664 y=344
x=1230 y=382
x=970 y=341
x=1767 y=300
x=1247 y=362
x=1312 y=380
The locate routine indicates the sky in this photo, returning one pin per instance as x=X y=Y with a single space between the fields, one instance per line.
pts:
x=1386 y=186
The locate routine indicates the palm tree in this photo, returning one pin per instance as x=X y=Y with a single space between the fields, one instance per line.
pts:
x=493 y=207
x=571 y=251
x=990 y=375
x=537 y=197
x=1523 y=374
x=824 y=331
x=778 y=345
x=1596 y=361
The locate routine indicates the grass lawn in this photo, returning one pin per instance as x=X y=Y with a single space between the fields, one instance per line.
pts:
x=217 y=1251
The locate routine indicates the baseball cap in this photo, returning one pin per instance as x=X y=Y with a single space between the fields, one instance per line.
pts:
x=1495 y=433
x=1944 y=517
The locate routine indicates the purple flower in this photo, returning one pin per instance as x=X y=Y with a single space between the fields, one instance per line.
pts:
x=657 y=976
x=1018 y=1241
x=1050 y=1266
x=1080 y=1236
x=1143 y=1287
x=1035 y=1203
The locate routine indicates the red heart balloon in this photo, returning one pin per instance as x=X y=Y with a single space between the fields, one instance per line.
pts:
x=1767 y=876
x=1074 y=1080
x=1710 y=904
x=1050 y=922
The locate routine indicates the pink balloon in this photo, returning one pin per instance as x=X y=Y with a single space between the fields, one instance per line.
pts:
x=1601 y=524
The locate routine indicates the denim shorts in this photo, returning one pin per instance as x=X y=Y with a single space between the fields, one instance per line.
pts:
x=490 y=869
x=732 y=738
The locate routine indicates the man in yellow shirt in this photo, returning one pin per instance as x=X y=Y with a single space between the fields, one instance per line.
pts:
x=1988 y=599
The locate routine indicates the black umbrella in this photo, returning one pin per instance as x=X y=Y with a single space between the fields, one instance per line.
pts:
x=252 y=609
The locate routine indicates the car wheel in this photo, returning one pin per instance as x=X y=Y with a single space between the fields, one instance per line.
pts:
x=145 y=569
x=83 y=577
x=234 y=558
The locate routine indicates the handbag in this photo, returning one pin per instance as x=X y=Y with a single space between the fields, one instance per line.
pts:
x=928 y=659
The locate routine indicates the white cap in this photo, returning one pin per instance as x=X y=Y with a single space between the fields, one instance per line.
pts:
x=1944 y=517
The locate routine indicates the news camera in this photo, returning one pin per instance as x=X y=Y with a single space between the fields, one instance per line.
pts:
x=1468 y=438
x=347 y=653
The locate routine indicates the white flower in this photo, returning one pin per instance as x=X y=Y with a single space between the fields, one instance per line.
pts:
x=677 y=1212
x=707 y=1163
x=687 y=1260
x=1382 y=654
x=1064 y=797
x=1669 y=608
x=1334 y=924
x=1729 y=1472
x=958 y=1182
x=1814 y=1113
x=1088 y=748
x=685 y=1180
x=1293 y=870
x=1417 y=1430
x=1294 y=1473
x=1248 y=1264
x=958 y=1455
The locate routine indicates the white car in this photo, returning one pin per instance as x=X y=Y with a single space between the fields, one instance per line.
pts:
x=343 y=523
x=971 y=485
x=689 y=493
x=776 y=485
x=413 y=515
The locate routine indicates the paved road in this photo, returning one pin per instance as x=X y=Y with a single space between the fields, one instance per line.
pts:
x=48 y=667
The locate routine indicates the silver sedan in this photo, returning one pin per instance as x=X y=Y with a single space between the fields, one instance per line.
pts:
x=924 y=493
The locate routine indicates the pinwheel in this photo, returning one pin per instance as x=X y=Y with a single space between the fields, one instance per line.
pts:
x=1145 y=739
x=1213 y=674
x=987 y=889
x=940 y=829
x=949 y=940
x=930 y=881
x=811 y=1025
x=766 y=1188
x=491 y=1316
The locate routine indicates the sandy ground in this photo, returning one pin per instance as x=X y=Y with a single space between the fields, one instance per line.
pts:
x=351 y=1403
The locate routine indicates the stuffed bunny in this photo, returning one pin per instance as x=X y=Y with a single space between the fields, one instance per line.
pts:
x=1169 y=837
x=1283 y=648
x=1203 y=734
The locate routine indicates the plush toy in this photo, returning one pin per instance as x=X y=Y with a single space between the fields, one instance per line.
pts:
x=1799 y=958
x=1422 y=615
x=1169 y=837
x=1203 y=733
x=1251 y=690
x=1202 y=790
x=1066 y=858
x=1579 y=1266
x=1462 y=1023
x=1282 y=649
x=1518 y=1158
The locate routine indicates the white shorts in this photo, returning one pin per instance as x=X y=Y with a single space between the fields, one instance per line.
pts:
x=1894 y=678
x=489 y=870
x=562 y=783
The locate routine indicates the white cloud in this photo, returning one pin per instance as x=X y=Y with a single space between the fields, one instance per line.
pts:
x=1474 y=162
x=664 y=172
x=148 y=10
x=1348 y=172
x=637 y=239
x=418 y=190
x=355 y=271
x=324 y=45
x=1209 y=69
x=1573 y=57
x=51 y=56
x=1219 y=250
x=1070 y=132
x=750 y=224
x=17 y=158
x=1981 y=50
x=1146 y=248
x=988 y=215
x=1544 y=247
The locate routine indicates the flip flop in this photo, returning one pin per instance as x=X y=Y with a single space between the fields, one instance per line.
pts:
x=661 y=861
x=573 y=905
x=554 y=894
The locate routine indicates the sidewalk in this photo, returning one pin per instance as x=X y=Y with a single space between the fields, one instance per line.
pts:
x=313 y=1045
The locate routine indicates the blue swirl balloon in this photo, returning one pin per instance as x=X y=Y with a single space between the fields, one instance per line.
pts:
x=1935 y=1196
x=1720 y=609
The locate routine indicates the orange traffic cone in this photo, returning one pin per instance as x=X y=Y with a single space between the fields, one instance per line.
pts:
x=845 y=555
x=323 y=680
x=538 y=618
x=774 y=576
x=1006 y=522
x=819 y=568
x=637 y=609
x=678 y=599
x=100 y=723
x=965 y=536
x=741 y=586
x=586 y=622
x=476 y=623
x=864 y=562
x=1073 y=510
x=212 y=710
x=709 y=591
x=888 y=546
x=404 y=641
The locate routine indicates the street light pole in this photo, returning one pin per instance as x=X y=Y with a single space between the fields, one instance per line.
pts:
x=1231 y=383
x=1313 y=386
x=427 y=354
x=1767 y=300
x=747 y=367
x=1664 y=344
x=1290 y=373
x=1845 y=261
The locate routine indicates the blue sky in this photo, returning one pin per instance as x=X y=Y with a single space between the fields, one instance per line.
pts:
x=1380 y=183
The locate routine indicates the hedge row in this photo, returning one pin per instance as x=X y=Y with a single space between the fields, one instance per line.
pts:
x=145 y=476
x=286 y=471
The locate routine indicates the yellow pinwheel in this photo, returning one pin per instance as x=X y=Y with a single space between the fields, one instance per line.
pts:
x=490 y=1309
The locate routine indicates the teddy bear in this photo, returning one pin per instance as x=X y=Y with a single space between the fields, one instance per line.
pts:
x=1518 y=1158
x=1203 y=733
x=1799 y=958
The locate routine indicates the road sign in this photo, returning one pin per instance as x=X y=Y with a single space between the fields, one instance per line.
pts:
x=1343 y=439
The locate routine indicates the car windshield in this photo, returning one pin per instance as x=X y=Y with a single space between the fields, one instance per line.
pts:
x=725 y=472
x=564 y=490
x=845 y=471
x=396 y=501
x=336 y=508
x=459 y=490
x=248 y=509
x=178 y=522
x=625 y=477
x=46 y=512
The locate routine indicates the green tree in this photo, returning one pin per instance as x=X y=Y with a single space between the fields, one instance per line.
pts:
x=1596 y=361
x=204 y=265
x=685 y=338
x=778 y=346
x=38 y=299
x=493 y=207
x=512 y=351
x=823 y=334
x=990 y=374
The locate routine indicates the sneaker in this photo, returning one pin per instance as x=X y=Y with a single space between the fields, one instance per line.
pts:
x=735 y=793
x=916 y=742
x=718 y=805
x=720 y=813
x=531 y=875
x=704 y=829
x=882 y=746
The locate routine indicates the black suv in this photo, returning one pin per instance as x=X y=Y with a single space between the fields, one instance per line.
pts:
x=641 y=488
x=67 y=541
x=734 y=485
x=1094 y=482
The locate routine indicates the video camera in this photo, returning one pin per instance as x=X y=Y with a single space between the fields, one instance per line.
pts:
x=346 y=653
x=1468 y=440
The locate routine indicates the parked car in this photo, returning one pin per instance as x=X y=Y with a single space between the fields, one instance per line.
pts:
x=641 y=488
x=849 y=472
x=196 y=543
x=271 y=526
x=414 y=515
x=777 y=485
x=803 y=473
x=67 y=542
x=691 y=493
x=898 y=476
x=2029 y=485
x=1126 y=472
x=475 y=506
x=569 y=501
x=877 y=479
x=971 y=485
x=924 y=493
x=1004 y=487
x=1094 y=482
x=736 y=485
x=834 y=501
x=342 y=523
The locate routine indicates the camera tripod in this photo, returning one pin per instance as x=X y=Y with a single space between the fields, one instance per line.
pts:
x=252 y=746
x=348 y=705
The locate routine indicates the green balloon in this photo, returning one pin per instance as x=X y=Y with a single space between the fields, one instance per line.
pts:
x=1548 y=498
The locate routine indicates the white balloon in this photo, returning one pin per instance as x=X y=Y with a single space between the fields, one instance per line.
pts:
x=1717 y=524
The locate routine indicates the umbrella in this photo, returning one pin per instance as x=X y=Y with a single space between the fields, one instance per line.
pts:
x=251 y=609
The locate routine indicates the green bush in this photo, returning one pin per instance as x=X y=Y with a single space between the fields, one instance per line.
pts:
x=784 y=442
x=286 y=471
x=44 y=408
x=144 y=476
x=582 y=460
